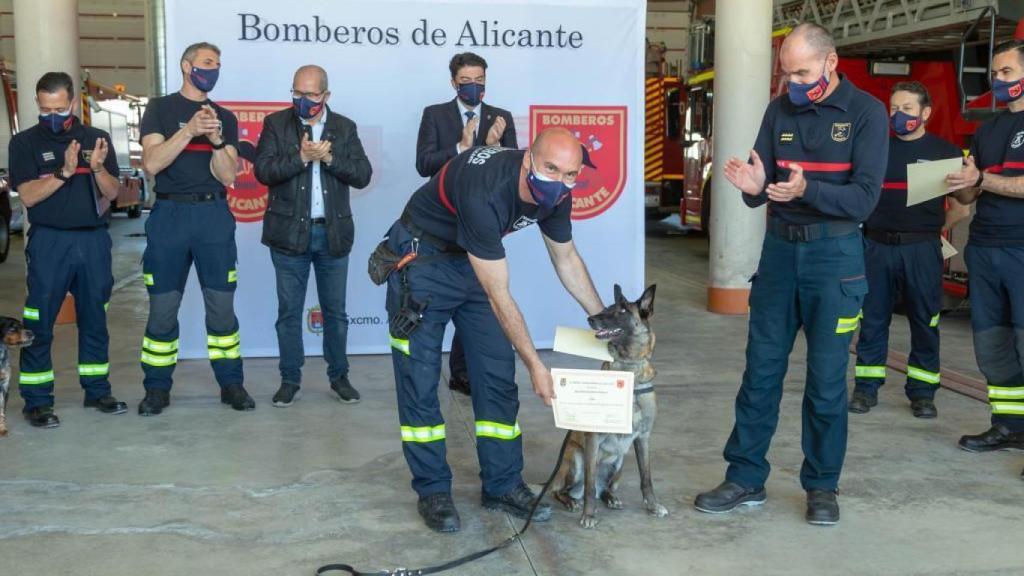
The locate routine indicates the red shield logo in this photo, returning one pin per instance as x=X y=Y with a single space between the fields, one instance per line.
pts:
x=248 y=198
x=1016 y=89
x=602 y=129
x=620 y=384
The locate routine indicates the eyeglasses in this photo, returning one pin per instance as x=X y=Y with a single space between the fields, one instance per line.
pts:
x=310 y=95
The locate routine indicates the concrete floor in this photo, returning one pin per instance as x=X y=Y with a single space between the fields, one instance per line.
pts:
x=205 y=490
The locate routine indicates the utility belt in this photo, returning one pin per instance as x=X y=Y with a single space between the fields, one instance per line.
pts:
x=810 y=232
x=384 y=262
x=897 y=238
x=191 y=198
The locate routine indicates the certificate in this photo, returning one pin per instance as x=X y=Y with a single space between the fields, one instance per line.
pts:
x=581 y=342
x=927 y=180
x=593 y=400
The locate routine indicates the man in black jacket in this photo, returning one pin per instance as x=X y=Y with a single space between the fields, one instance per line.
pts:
x=452 y=127
x=309 y=156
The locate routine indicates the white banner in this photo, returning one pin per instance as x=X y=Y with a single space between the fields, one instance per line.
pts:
x=577 y=64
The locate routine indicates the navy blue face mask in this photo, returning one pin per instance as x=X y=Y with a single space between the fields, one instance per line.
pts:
x=1007 y=92
x=803 y=94
x=307 y=108
x=204 y=78
x=547 y=193
x=471 y=93
x=58 y=122
x=903 y=123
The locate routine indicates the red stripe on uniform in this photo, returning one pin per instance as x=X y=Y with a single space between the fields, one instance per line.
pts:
x=1013 y=165
x=81 y=170
x=816 y=166
x=440 y=190
x=199 y=148
x=890 y=185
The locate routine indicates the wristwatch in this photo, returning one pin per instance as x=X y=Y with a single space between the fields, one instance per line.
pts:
x=220 y=146
x=59 y=174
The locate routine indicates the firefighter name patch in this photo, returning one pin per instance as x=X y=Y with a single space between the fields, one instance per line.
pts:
x=841 y=131
x=48 y=156
x=786 y=137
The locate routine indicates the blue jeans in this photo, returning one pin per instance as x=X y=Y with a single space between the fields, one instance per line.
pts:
x=292 y=273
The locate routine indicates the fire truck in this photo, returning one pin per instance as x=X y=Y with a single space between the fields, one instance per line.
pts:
x=664 y=96
x=945 y=45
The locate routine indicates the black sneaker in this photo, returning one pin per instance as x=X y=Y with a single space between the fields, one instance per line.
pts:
x=438 y=512
x=236 y=396
x=42 y=417
x=923 y=408
x=727 y=496
x=346 y=393
x=822 y=508
x=285 y=395
x=154 y=402
x=518 y=503
x=998 y=437
x=862 y=402
x=107 y=404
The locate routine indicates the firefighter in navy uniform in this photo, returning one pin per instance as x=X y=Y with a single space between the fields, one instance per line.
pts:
x=190 y=145
x=818 y=162
x=454 y=224
x=993 y=175
x=903 y=257
x=66 y=175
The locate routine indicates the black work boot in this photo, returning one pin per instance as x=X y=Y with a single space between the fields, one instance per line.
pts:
x=438 y=512
x=154 y=402
x=822 y=508
x=727 y=496
x=862 y=402
x=107 y=404
x=42 y=417
x=923 y=408
x=236 y=396
x=998 y=437
x=518 y=503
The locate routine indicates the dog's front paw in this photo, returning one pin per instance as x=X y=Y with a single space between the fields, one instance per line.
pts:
x=588 y=521
x=571 y=504
x=657 y=510
x=611 y=501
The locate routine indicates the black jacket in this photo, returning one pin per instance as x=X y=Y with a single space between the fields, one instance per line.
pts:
x=441 y=129
x=286 y=224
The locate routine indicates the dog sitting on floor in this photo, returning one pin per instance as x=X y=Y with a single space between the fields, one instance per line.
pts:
x=593 y=462
x=12 y=335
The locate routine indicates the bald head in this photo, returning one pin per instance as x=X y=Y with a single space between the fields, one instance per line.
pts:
x=310 y=78
x=558 y=143
x=812 y=38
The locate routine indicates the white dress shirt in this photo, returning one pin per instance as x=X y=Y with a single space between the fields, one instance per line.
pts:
x=316 y=204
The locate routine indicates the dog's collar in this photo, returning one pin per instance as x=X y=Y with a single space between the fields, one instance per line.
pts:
x=643 y=388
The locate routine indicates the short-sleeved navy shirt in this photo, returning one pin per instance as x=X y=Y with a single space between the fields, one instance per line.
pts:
x=892 y=213
x=998 y=148
x=480 y=203
x=38 y=153
x=841 y=143
x=190 y=172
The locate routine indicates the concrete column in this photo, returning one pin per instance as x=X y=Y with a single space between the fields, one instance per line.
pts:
x=743 y=45
x=45 y=40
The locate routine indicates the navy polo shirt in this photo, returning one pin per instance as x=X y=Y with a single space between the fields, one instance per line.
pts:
x=842 y=144
x=998 y=148
x=892 y=213
x=190 y=172
x=38 y=153
x=474 y=202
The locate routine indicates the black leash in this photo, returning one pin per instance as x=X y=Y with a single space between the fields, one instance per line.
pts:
x=469 y=557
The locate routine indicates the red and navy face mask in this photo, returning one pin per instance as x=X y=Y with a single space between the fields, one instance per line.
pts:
x=1007 y=92
x=58 y=122
x=803 y=94
x=306 y=108
x=903 y=123
x=204 y=78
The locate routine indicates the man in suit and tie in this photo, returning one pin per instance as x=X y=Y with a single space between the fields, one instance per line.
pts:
x=451 y=127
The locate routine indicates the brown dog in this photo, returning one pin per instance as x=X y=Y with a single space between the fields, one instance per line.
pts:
x=593 y=462
x=12 y=335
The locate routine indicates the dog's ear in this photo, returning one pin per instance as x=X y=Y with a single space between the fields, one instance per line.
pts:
x=618 y=295
x=646 y=302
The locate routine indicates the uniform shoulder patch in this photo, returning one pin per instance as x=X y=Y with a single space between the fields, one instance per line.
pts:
x=841 y=131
